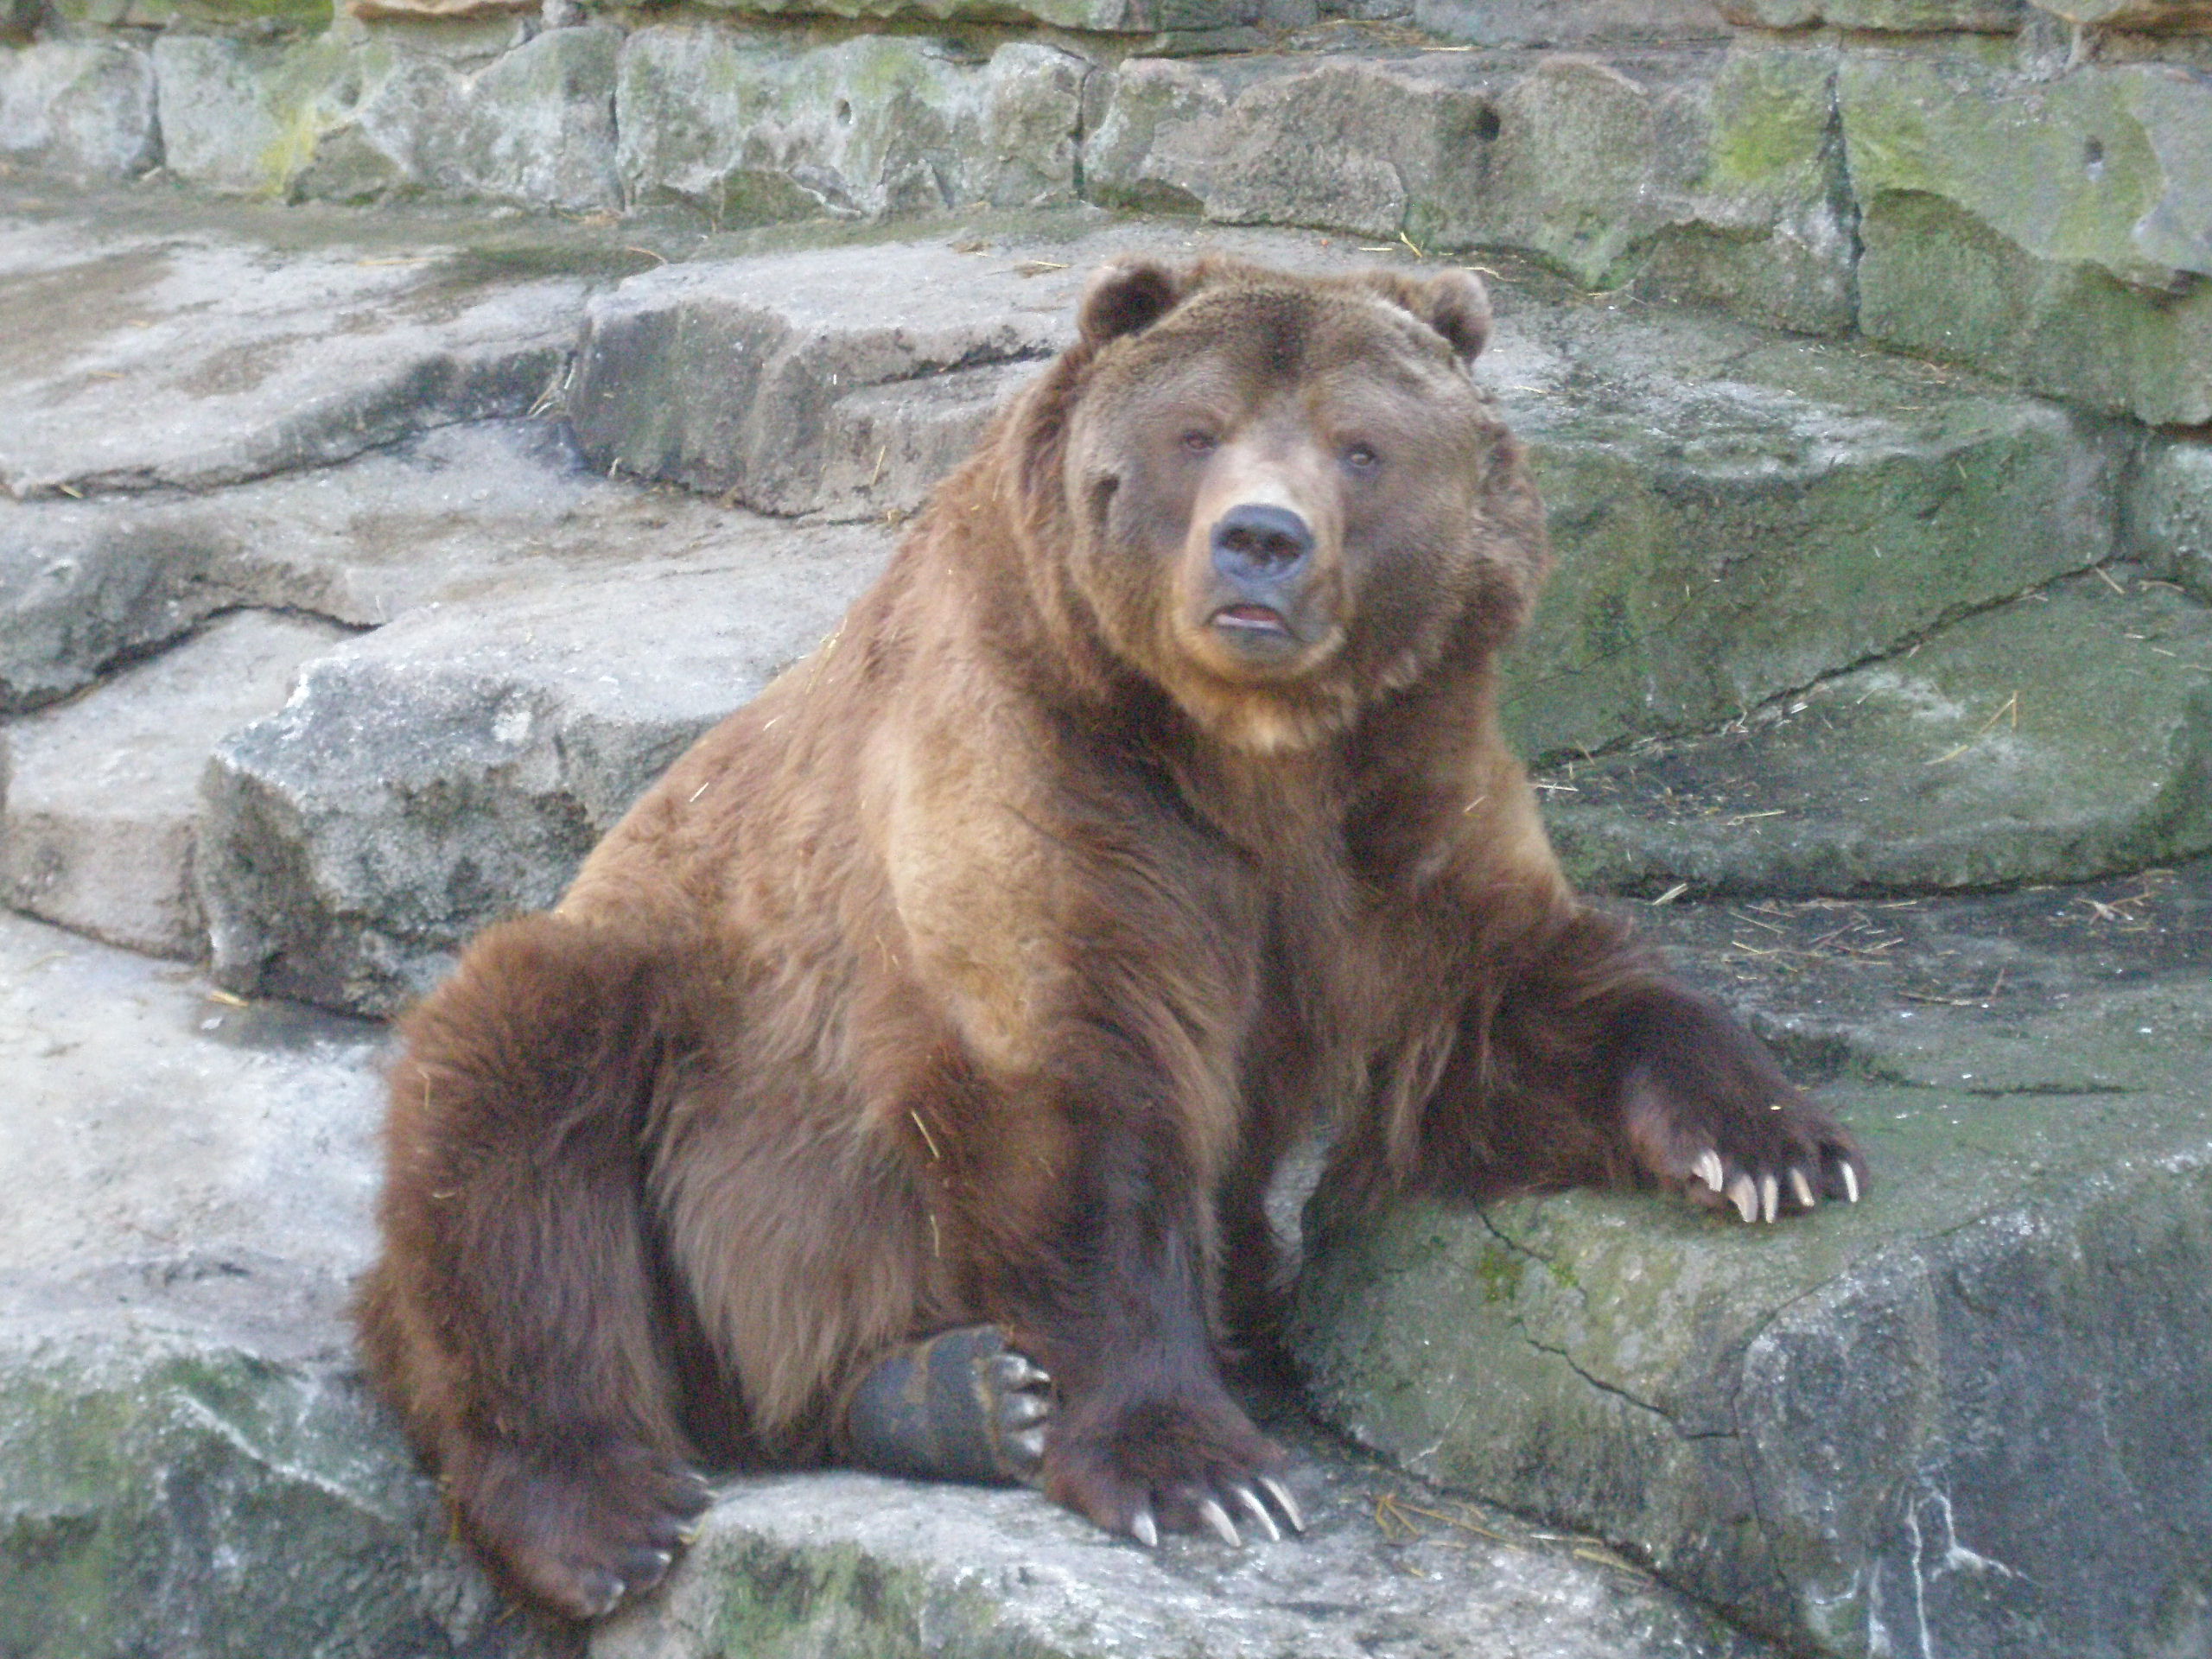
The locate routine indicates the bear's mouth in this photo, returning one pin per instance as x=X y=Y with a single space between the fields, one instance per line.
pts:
x=1250 y=618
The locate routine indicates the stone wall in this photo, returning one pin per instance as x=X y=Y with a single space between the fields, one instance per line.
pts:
x=2024 y=189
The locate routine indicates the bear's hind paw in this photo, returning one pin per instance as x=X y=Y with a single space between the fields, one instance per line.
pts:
x=960 y=1406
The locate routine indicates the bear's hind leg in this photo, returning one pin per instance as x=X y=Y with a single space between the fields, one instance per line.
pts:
x=520 y=1318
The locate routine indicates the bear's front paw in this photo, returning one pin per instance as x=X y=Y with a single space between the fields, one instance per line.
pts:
x=1138 y=1467
x=1708 y=1114
x=580 y=1528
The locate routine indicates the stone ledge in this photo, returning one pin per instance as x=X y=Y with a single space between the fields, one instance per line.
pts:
x=1875 y=1430
x=2065 y=736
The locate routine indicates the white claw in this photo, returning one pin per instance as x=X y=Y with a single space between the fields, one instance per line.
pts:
x=1744 y=1195
x=1144 y=1530
x=1023 y=1409
x=1217 y=1518
x=1029 y=1444
x=1016 y=1372
x=1800 y=1188
x=1284 y=1501
x=1769 y=1196
x=1850 y=1184
x=1709 y=1170
x=1249 y=1501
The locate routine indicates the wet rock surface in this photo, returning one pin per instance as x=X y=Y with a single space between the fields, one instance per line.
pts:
x=320 y=648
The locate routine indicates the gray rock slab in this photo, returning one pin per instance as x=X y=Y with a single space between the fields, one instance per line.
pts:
x=1736 y=515
x=2168 y=512
x=455 y=766
x=753 y=129
x=2049 y=231
x=2065 y=736
x=101 y=807
x=84 y=583
x=1877 y=1430
x=724 y=375
x=1905 y=17
x=843 y=1563
x=1104 y=17
x=1696 y=175
x=185 y=1463
x=81 y=108
x=1579 y=24
x=138 y=357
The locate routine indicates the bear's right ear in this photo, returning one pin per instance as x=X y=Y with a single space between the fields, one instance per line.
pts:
x=1126 y=297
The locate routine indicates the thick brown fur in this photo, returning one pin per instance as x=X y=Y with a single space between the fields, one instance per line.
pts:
x=982 y=969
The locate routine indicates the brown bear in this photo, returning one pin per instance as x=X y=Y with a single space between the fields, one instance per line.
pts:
x=900 y=1081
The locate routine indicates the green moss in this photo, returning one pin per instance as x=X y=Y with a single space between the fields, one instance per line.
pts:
x=1774 y=121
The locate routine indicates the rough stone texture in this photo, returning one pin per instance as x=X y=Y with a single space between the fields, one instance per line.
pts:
x=455 y=766
x=2152 y=16
x=2168 y=517
x=1107 y=16
x=331 y=118
x=138 y=359
x=1906 y=16
x=535 y=126
x=1736 y=516
x=2065 y=736
x=848 y=1564
x=82 y=108
x=1577 y=23
x=85 y=583
x=2052 y=233
x=184 y=1464
x=726 y=377
x=100 y=806
x=1877 y=1430
x=754 y=131
x=374 y=10
x=1704 y=176
x=246 y=117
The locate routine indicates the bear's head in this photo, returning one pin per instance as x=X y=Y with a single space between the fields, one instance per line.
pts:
x=1281 y=496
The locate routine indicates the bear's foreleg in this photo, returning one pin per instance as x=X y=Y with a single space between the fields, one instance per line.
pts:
x=1078 y=1206
x=518 y=1319
x=1589 y=1067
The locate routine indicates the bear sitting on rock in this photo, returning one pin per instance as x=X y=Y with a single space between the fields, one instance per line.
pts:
x=900 y=1081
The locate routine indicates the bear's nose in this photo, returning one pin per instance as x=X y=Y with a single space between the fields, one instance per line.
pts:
x=1257 y=540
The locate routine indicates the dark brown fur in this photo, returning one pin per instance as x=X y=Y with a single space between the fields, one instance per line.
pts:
x=982 y=969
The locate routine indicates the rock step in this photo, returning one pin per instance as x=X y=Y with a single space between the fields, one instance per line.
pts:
x=187 y=1463
x=99 y=801
x=1873 y=1430
x=2062 y=736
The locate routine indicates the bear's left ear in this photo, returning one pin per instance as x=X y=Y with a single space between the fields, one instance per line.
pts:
x=1453 y=302
x=1126 y=297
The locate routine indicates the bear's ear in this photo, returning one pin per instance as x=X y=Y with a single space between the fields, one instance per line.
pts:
x=1126 y=297
x=1453 y=302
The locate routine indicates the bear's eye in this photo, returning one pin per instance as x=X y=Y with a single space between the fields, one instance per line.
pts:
x=1199 y=442
x=1361 y=458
